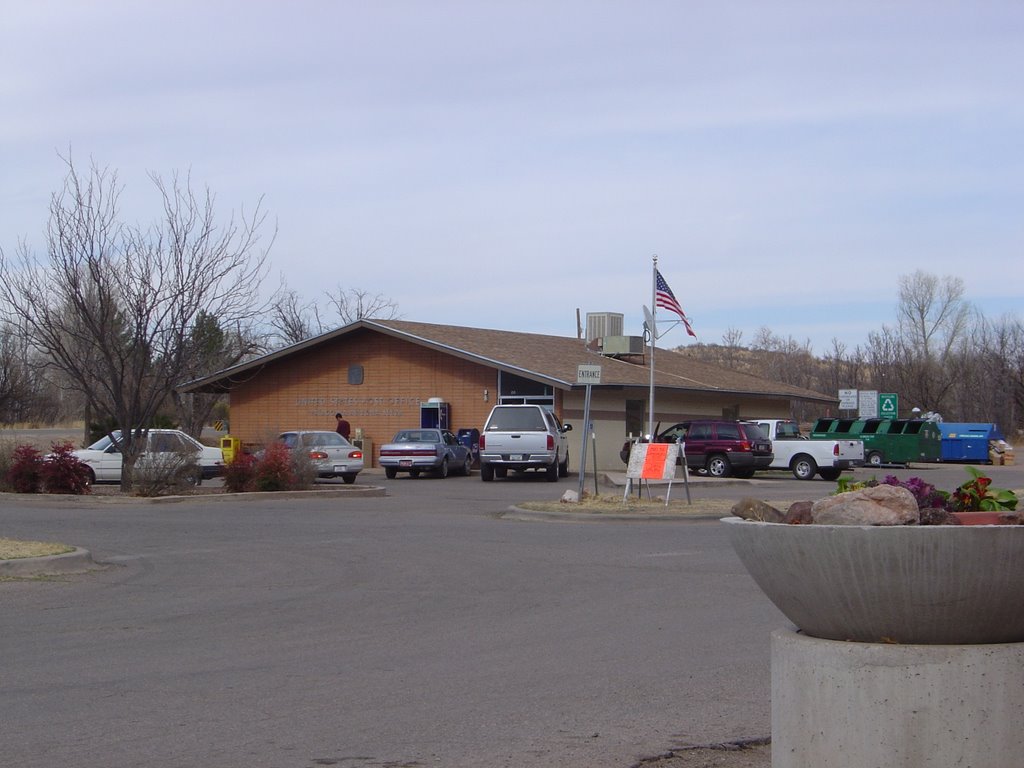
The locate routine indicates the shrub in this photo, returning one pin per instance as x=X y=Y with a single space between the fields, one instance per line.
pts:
x=7 y=447
x=165 y=472
x=25 y=473
x=62 y=472
x=274 y=469
x=240 y=473
x=303 y=470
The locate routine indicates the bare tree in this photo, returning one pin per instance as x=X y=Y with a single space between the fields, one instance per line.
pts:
x=933 y=318
x=293 y=320
x=356 y=304
x=112 y=305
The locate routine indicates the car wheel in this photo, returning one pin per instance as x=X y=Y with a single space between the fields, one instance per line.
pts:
x=719 y=466
x=414 y=473
x=551 y=473
x=390 y=473
x=563 y=468
x=442 y=471
x=467 y=466
x=349 y=479
x=803 y=467
x=829 y=473
x=486 y=472
x=90 y=478
x=874 y=459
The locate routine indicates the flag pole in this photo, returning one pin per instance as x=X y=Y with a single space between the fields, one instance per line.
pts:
x=654 y=338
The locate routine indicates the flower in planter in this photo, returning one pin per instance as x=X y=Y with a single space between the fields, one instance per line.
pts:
x=976 y=495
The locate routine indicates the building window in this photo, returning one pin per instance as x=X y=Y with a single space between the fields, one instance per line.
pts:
x=355 y=375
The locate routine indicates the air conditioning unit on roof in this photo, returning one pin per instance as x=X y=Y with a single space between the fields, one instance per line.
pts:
x=623 y=345
x=602 y=324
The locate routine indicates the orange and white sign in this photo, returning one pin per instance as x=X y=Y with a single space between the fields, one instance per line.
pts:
x=652 y=461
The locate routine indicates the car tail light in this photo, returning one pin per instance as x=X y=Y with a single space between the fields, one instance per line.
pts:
x=551 y=443
x=835 y=449
x=317 y=455
x=745 y=445
x=355 y=454
x=483 y=442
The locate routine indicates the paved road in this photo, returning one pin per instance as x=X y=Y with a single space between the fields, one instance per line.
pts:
x=417 y=629
x=414 y=630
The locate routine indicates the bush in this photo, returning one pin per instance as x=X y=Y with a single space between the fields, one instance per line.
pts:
x=62 y=472
x=240 y=473
x=303 y=470
x=166 y=472
x=274 y=469
x=25 y=472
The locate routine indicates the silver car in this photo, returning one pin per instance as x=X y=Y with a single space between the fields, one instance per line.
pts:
x=425 y=450
x=331 y=454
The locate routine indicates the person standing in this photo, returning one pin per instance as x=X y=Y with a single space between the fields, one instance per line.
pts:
x=344 y=428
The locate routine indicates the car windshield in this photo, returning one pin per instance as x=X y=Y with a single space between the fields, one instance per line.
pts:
x=754 y=432
x=310 y=439
x=511 y=419
x=417 y=436
x=784 y=430
x=101 y=445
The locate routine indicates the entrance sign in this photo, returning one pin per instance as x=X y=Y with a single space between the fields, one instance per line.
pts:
x=588 y=374
x=888 y=405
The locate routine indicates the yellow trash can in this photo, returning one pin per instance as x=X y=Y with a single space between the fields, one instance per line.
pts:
x=230 y=447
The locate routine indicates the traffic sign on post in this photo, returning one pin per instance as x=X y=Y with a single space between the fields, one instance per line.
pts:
x=588 y=374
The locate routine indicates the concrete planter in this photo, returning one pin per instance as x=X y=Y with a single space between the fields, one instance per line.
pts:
x=890 y=584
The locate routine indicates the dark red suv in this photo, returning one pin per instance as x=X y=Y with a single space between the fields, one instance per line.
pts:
x=719 y=447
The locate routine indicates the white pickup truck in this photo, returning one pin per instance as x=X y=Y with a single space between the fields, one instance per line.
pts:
x=521 y=437
x=805 y=457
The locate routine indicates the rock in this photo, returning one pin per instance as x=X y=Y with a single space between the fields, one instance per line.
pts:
x=754 y=509
x=570 y=497
x=880 y=505
x=799 y=513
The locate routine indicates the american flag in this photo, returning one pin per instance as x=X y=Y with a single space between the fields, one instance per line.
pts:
x=663 y=297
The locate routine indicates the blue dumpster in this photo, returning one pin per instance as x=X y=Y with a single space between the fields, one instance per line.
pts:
x=968 y=442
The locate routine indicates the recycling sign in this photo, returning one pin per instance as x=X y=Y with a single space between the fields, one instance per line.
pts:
x=888 y=405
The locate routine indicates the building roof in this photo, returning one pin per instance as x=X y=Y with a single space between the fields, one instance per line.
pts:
x=549 y=359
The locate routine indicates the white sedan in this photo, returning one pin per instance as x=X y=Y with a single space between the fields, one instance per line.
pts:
x=104 y=456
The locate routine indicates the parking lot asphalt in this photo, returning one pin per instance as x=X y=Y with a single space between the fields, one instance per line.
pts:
x=417 y=628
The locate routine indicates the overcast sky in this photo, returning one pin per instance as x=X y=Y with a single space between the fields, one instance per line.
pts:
x=500 y=165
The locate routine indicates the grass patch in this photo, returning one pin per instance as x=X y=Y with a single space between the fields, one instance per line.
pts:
x=12 y=549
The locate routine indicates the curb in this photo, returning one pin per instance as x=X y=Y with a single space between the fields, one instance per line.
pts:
x=77 y=561
x=518 y=513
x=368 y=491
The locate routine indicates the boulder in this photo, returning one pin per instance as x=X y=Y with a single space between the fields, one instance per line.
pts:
x=880 y=505
x=799 y=513
x=755 y=509
x=570 y=497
